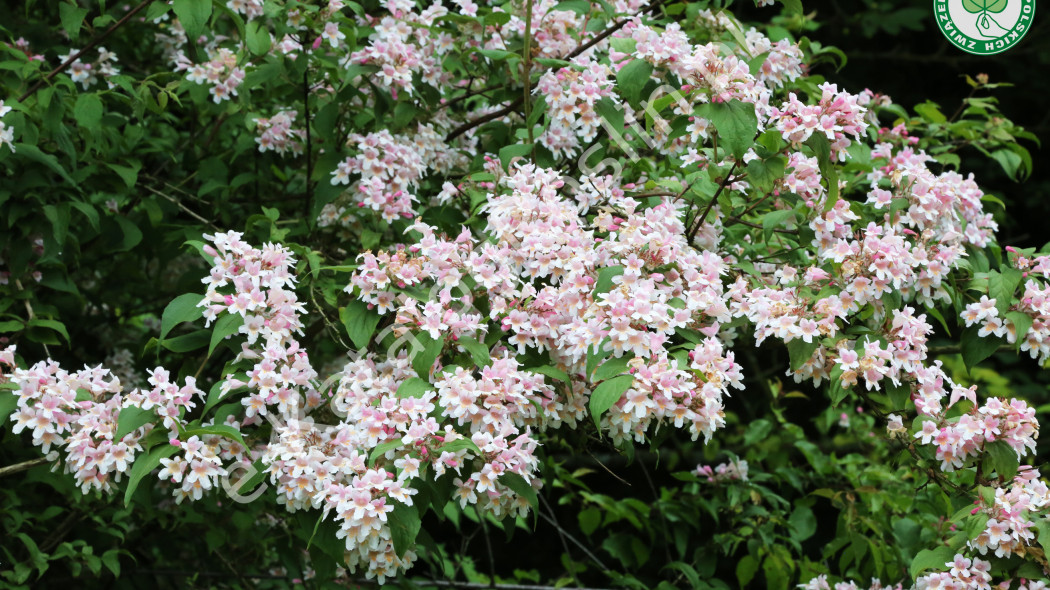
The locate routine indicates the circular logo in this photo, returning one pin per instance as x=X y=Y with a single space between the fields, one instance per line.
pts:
x=984 y=27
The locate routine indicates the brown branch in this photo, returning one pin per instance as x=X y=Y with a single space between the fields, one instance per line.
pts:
x=482 y=120
x=711 y=203
x=94 y=43
x=736 y=220
x=24 y=465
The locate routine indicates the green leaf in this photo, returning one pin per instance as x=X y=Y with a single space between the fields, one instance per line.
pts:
x=607 y=394
x=803 y=522
x=509 y=152
x=72 y=17
x=611 y=368
x=404 y=525
x=792 y=6
x=1022 y=322
x=88 y=112
x=360 y=322
x=223 y=430
x=132 y=235
x=143 y=465
x=381 y=450
x=1001 y=286
x=458 y=445
x=975 y=348
x=478 y=351
x=33 y=153
x=194 y=15
x=423 y=359
x=413 y=387
x=776 y=219
x=258 y=38
x=605 y=279
x=1001 y=458
x=931 y=559
x=975 y=6
x=580 y=7
x=736 y=124
x=552 y=372
x=182 y=309
x=762 y=174
x=8 y=403
x=800 y=351
x=227 y=325
x=55 y=325
x=129 y=174
x=632 y=78
x=187 y=342
x=520 y=487
x=130 y=419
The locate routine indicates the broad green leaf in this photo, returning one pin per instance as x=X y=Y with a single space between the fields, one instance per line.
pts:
x=607 y=394
x=1000 y=457
x=360 y=323
x=611 y=368
x=413 y=387
x=223 y=430
x=632 y=78
x=144 y=465
x=8 y=403
x=736 y=124
x=520 y=487
x=477 y=351
x=227 y=325
x=1021 y=322
x=605 y=279
x=551 y=372
x=187 y=342
x=1001 y=286
x=258 y=38
x=194 y=15
x=381 y=450
x=72 y=17
x=88 y=112
x=975 y=348
x=182 y=309
x=458 y=445
x=931 y=559
x=404 y=525
x=800 y=351
x=132 y=418
x=509 y=152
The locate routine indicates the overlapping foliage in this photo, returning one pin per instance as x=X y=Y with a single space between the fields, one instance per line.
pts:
x=353 y=283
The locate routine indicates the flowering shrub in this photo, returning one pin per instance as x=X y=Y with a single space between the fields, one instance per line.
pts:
x=457 y=258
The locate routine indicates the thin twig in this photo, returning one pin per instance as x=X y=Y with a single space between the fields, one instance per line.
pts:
x=736 y=220
x=482 y=120
x=94 y=42
x=622 y=480
x=179 y=204
x=700 y=222
x=583 y=547
x=24 y=465
x=561 y=536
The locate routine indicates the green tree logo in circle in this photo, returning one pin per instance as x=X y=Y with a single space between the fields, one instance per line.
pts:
x=985 y=8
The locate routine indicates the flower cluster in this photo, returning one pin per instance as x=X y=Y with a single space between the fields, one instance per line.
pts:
x=571 y=98
x=221 y=72
x=735 y=470
x=837 y=115
x=1009 y=529
x=276 y=133
x=256 y=284
x=88 y=74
